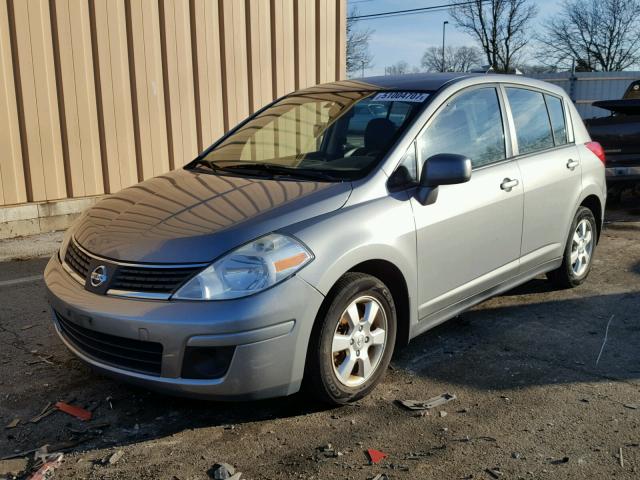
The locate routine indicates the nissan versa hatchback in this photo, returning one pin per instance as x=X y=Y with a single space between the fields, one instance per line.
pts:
x=326 y=231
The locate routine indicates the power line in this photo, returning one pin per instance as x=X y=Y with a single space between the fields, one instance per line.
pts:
x=412 y=11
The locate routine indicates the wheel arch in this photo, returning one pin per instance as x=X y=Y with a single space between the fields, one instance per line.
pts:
x=389 y=274
x=592 y=202
x=393 y=277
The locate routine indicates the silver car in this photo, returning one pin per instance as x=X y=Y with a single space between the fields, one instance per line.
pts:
x=326 y=231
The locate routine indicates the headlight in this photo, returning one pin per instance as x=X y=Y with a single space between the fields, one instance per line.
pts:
x=249 y=269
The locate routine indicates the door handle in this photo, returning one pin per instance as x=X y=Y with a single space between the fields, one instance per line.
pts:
x=508 y=184
x=572 y=164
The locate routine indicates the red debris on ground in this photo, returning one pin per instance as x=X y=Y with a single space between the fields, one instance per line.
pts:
x=74 y=411
x=376 y=455
x=46 y=470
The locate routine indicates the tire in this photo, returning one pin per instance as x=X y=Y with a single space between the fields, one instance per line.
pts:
x=567 y=275
x=328 y=375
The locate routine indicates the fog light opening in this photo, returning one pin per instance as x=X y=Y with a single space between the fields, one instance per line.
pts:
x=206 y=362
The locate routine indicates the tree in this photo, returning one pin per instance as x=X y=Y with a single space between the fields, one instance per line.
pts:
x=593 y=35
x=499 y=26
x=358 y=55
x=456 y=59
x=399 y=68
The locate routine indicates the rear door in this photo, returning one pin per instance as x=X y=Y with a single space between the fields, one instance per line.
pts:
x=468 y=240
x=550 y=166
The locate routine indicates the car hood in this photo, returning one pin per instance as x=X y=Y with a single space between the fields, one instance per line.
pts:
x=191 y=217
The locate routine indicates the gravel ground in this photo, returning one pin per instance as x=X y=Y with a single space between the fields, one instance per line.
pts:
x=531 y=401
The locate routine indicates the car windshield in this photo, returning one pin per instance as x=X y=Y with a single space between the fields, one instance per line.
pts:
x=336 y=135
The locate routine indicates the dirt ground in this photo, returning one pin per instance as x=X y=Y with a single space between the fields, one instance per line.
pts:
x=531 y=401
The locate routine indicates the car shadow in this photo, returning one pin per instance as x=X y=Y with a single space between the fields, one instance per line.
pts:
x=512 y=341
x=125 y=414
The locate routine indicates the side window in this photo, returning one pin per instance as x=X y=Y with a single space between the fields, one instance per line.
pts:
x=533 y=129
x=470 y=125
x=407 y=172
x=410 y=162
x=558 y=124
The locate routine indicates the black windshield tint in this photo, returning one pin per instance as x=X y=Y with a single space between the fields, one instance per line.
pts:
x=343 y=134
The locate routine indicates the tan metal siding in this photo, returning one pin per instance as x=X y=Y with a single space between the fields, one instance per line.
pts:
x=260 y=53
x=113 y=77
x=39 y=100
x=12 y=176
x=96 y=95
x=77 y=99
x=149 y=88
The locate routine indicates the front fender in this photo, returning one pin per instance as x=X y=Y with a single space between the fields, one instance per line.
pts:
x=380 y=229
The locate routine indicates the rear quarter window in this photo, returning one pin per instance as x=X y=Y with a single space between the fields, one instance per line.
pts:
x=558 y=123
x=531 y=120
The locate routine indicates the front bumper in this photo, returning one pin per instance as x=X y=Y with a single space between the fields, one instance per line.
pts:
x=270 y=332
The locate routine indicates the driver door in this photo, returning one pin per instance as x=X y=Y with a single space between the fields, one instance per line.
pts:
x=468 y=240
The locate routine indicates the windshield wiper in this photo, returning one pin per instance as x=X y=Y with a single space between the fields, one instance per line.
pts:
x=202 y=162
x=266 y=170
x=214 y=167
x=274 y=169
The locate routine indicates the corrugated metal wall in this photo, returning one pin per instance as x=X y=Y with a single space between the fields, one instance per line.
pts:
x=96 y=95
x=584 y=88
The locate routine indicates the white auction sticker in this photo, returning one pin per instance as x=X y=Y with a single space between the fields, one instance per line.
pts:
x=417 y=97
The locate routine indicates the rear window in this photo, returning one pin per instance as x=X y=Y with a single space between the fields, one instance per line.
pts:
x=533 y=129
x=558 y=124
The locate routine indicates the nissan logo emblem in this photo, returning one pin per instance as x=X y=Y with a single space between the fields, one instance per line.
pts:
x=98 y=276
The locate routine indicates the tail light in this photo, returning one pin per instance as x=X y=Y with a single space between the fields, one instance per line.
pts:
x=597 y=150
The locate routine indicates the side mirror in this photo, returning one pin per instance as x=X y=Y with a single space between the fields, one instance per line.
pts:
x=442 y=169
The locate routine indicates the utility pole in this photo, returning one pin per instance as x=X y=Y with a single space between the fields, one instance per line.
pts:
x=444 y=26
x=363 y=68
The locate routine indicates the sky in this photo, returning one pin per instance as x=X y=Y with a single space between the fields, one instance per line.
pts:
x=407 y=37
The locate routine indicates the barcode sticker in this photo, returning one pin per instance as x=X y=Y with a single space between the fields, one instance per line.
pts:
x=417 y=97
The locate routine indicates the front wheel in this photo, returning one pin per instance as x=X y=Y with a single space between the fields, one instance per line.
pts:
x=353 y=340
x=579 y=250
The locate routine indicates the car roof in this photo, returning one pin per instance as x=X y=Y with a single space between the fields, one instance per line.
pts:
x=414 y=81
x=428 y=82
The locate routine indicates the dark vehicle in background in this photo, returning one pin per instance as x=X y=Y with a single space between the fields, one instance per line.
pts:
x=619 y=135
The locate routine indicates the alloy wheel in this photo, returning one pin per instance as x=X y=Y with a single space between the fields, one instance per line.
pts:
x=581 y=247
x=359 y=341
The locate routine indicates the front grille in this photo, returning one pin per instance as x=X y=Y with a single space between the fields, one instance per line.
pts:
x=152 y=280
x=126 y=353
x=77 y=259
x=144 y=279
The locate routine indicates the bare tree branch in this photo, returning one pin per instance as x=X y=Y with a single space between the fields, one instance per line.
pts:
x=358 y=55
x=456 y=59
x=499 y=26
x=400 y=68
x=595 y=35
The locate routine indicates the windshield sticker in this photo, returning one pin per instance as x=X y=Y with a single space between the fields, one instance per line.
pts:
x=416 y=97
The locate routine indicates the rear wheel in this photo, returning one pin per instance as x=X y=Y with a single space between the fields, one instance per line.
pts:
x=353 y=341
x=579 y=250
